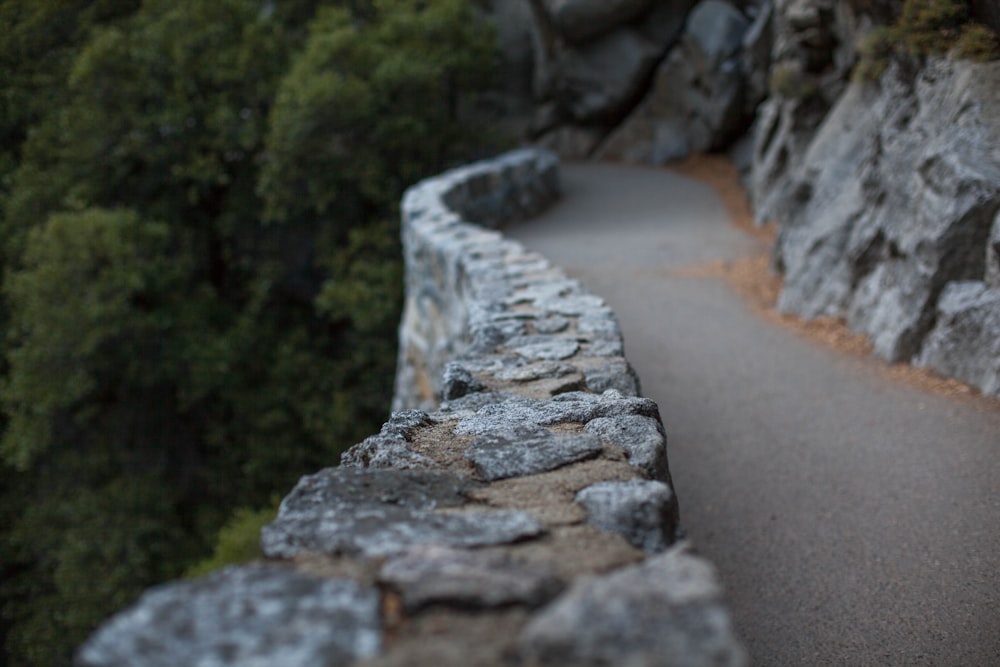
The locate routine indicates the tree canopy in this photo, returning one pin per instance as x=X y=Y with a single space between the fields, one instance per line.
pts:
x=201 y=274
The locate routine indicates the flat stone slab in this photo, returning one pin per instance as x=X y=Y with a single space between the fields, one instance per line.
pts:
x=385 y=512
x=642 y=438
x=641 y=511
x=544 y=347
x=573 y=406
x=467 y=579
x=528 y=450
x=664 y=612
x=242 y=616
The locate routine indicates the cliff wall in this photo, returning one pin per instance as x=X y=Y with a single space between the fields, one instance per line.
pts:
x=885 y=190
x=518 y=509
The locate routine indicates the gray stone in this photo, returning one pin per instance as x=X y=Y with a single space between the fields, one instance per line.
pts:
x=993 y=256
x=605 y=347
x=576 y=407
x=616 y=375
x=572 y=142
x=665 y=22
x=551 y=325
x=696 y=100
x=642 y=438
x=643 y=512
x=537 y=371
x=581 y=20
x=458 y=381
x=965 y=341
x=894 y=200
x=390 y=449
x=528 y=450
x=384 y=512
x=242 y=616
x=665 y=612
x=467 y=579
x=717 y=28
x=544 y=347
x=597 y=81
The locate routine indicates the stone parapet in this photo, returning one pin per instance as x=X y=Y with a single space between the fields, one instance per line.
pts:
x=517 y=509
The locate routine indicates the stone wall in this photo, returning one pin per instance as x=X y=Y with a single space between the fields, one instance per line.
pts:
x=523 y=516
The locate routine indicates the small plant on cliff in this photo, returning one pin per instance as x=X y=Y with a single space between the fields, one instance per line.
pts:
x=789 y=81
x=977 y=43
x=924 y=28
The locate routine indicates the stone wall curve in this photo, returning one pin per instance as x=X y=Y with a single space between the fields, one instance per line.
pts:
x=516 y=509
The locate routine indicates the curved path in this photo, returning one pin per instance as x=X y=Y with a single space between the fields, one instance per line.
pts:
x=854 y=520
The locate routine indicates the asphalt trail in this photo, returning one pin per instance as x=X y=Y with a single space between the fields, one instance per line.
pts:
x=854 y=520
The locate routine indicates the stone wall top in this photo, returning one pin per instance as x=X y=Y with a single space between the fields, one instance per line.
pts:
x=524 y=514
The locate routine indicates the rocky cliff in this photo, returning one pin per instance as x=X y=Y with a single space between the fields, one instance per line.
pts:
x=524 y=514
x=885 y=190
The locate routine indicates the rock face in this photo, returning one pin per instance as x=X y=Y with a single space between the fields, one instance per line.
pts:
x=696 y=101
x=516 y=491
x=893 y=202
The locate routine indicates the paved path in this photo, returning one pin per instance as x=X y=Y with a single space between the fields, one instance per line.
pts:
x=854 y=521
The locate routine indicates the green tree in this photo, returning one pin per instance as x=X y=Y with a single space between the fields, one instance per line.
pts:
x=201 y=286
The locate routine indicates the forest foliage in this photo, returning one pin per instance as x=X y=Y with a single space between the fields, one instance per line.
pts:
x=201 y=275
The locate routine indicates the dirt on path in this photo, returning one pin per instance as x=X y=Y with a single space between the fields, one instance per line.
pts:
x=852 y=508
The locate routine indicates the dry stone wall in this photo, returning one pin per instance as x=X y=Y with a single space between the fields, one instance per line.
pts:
x=516 y=510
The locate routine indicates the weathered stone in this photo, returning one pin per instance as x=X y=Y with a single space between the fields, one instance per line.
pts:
x=598 y=321
x=642 y=438
x=643 y=512
x=457 y=381
x=528 y=450
x=536 y=371
x=717 y=28
x=965 y=342
x=390 y=447
x=551 y=325
x=242 y=616
x=384 y=512
x=597 y=81
x=544 y=347
x=665 y=612
x=665 y=22
x=696 y=100
x=893 y=201
x=993 y=256
x=605 y=347
x=617 y=375
x=467 y=579
x=572 y=142
x=576 y=407
x=581 y=20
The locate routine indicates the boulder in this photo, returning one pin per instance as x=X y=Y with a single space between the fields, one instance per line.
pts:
x=582 y=20
x=598 y=81
x=696 y=100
